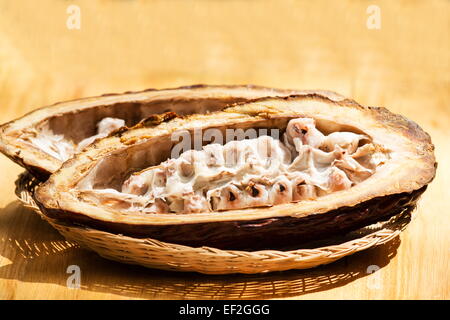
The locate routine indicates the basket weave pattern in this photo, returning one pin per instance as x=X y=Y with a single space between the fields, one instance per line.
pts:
x=167 y=256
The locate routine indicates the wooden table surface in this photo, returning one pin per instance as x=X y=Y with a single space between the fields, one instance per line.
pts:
x=132 y=45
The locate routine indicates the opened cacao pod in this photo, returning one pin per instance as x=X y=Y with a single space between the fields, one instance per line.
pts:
x=43 y=139
x=262 y=174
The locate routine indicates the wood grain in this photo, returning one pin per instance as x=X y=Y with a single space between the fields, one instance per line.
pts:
x=132 y=45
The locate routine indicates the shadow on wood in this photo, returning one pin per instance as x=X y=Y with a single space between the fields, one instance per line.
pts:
x=39 y=254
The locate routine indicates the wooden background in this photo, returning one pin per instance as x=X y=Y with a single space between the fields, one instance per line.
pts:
x=132 y=45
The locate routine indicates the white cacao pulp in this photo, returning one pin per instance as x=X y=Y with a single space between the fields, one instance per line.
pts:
x=264 y=171
x=58 y=147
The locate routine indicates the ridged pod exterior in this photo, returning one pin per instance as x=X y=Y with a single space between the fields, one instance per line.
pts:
x=395 y=186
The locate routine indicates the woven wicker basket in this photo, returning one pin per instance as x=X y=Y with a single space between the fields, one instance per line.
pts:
x=167 y=256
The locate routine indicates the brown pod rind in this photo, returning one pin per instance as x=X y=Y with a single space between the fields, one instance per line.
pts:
x=73 y=121
x=395 y=186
